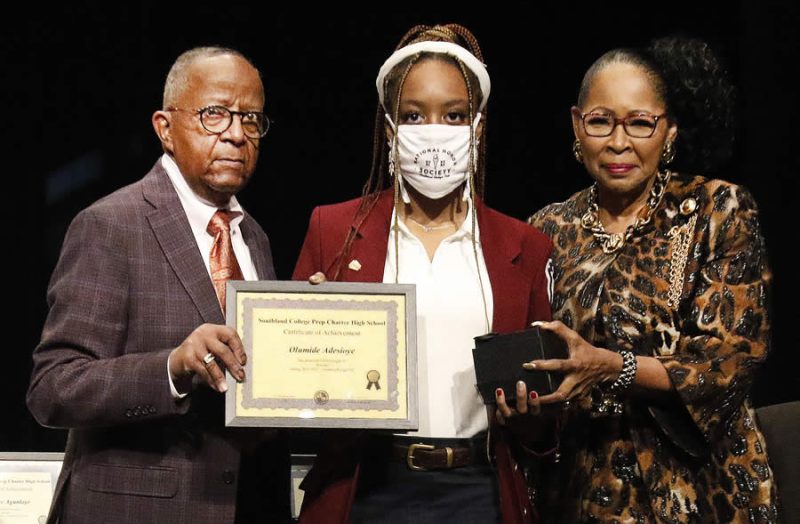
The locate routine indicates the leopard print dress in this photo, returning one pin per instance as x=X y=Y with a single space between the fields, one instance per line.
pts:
x=701 y=456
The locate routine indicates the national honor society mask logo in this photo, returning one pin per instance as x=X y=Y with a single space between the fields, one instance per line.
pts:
x=435 y=162
x=434 y=158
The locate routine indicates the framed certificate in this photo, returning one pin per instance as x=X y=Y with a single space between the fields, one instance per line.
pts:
x=27 y=484
x=337 y=355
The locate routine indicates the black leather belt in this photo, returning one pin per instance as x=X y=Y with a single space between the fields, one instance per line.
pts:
x=422 y=454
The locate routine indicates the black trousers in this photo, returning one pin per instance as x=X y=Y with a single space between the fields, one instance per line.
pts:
x=390 y=493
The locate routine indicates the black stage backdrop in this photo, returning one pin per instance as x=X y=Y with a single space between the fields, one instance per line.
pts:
x=83 y=80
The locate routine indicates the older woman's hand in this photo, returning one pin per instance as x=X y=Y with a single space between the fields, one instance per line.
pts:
x=586 y=366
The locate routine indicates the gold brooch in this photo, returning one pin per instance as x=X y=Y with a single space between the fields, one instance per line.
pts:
x=688 y=206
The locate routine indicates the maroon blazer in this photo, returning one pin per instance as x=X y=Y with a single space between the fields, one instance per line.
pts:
x=129 y=286
x=515 y=254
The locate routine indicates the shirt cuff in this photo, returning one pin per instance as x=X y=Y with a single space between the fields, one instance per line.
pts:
x=175 y=394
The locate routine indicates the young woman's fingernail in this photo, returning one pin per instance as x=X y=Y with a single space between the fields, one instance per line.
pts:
x=529 y=365
x=520 y=386
x=498 y=392
x=534 y=395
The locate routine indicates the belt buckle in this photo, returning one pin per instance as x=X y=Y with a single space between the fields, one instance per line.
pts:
x=410 y=456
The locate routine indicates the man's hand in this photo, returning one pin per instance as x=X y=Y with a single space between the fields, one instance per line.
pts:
x=226 y=351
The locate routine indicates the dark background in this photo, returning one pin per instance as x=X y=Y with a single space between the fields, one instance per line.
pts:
x=82 y=81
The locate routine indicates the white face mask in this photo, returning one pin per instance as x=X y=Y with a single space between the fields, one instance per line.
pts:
x=434 y=158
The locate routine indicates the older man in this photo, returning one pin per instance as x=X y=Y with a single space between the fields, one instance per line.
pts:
x=134 y=349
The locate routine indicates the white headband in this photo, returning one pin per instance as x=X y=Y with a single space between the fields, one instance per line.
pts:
x=447 y=48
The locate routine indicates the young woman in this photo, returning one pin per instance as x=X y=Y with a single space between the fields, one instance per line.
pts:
x=421 y=220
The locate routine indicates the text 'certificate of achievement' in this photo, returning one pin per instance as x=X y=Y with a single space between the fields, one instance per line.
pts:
x=339 y=355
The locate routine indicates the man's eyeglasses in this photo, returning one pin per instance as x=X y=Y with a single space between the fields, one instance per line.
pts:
x=640 y=125
x=217 y=120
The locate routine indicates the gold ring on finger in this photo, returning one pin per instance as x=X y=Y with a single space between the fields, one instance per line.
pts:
x=208 y=359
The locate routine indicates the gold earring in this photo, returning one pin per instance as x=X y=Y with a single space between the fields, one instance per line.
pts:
x=577 y=151
x=668 y=154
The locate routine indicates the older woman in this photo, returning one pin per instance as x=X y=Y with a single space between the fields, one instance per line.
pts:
x=660 y=289
x=475 y=271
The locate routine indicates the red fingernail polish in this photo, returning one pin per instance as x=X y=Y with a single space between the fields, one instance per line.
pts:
x=499 y=392
x=534 y=395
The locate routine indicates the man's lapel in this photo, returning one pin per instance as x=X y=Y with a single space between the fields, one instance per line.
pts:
x=174 y=234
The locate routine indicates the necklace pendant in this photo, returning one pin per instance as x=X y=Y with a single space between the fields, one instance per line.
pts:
x=427 y=228
x=612 y=243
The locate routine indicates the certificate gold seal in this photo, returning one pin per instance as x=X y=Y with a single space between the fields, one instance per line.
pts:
x=321 y=397
x=372 y=379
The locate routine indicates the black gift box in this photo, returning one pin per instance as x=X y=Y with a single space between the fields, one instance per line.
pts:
x=499 y=358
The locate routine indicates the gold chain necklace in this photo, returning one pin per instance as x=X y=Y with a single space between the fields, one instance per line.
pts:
x=612 y=242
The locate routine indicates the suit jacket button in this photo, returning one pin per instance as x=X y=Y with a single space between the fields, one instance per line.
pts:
x=228 y=476
x=128 y=413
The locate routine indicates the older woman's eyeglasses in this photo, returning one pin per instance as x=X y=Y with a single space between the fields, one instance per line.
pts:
x=639 y=125
x=217 y=120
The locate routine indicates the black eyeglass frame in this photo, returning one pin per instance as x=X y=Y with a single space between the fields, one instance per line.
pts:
x=624 y=121
x=202 y=112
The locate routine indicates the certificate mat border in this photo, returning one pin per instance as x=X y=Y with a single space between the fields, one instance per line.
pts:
x=411 y=422
x=390 y=404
